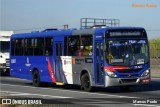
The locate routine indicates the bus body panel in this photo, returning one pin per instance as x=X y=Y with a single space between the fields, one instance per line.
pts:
x=131 y=77
x=126 y=81
x=80 y=65
x=24 y=66
x=68 y=69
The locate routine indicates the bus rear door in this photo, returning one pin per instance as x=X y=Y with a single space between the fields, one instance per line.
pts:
x=58 y=51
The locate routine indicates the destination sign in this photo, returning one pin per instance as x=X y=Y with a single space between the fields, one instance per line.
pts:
x=125 y=33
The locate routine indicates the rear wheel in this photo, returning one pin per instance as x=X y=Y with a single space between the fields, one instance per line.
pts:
x=85 y=82
x=36 y=79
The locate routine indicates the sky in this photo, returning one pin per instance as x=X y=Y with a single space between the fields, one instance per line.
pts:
x=31 y=15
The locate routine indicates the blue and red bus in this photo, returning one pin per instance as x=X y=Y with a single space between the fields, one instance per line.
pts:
x=89 y=57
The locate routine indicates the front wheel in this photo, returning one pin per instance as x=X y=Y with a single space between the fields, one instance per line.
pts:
x=85 y=82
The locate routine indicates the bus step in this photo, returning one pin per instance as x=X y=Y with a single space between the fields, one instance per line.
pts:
x=59 y=83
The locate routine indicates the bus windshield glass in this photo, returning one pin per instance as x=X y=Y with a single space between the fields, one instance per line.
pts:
x=127 y=52
x=4 y=46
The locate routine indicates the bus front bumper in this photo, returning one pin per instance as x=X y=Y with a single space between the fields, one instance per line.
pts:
x=126 y=81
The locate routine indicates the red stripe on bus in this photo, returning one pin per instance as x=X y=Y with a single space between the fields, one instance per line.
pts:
x=113 y=68
x=51 y=72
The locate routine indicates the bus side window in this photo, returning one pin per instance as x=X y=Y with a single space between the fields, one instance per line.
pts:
x=19 y=47
x=66 y=46
x=16 y=47
x=13 y=47
x=87 y=44
x=48 y=46
x=39 y=47
x=29 y=46
x=73 y=44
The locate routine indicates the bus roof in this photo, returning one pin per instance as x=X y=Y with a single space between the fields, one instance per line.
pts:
x=43 y=33
x=88 y=31
x=102 y=30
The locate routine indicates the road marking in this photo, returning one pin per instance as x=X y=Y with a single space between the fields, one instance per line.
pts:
x=20 y=93
x=146 y=105
x=50 y=96
x=76 y=91
x=98 y=94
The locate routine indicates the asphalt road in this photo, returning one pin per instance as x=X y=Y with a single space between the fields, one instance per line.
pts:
x=71 y=95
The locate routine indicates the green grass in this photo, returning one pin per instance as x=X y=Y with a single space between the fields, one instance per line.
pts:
x=154 y=45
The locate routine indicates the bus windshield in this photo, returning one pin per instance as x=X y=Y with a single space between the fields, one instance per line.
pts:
x=127 y=52
x=4 y=46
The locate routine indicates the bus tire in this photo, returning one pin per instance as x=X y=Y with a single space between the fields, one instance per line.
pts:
x=85 y=82
x=36 y=79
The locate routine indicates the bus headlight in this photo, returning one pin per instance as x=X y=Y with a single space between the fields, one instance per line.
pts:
x=110 y=73
x=2 y=66
x=145 y=73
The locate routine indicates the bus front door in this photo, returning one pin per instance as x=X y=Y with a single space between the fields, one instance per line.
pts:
x=58 y=64
x=99 y=73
